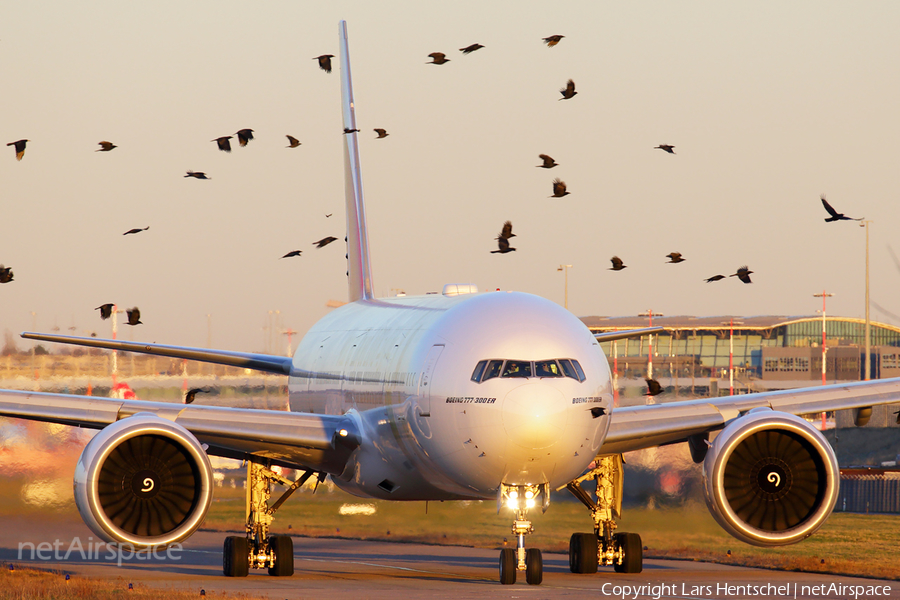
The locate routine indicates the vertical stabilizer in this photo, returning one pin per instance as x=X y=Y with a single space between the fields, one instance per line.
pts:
x=359 y=269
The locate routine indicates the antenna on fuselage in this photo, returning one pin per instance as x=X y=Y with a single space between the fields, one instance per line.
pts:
x=359 y=269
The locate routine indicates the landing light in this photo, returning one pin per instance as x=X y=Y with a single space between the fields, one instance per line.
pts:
x=513 y=495
x=529 y=494
x=342 y=432
x=529 y=503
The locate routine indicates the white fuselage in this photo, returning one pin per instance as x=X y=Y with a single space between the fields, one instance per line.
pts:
x=430 y=432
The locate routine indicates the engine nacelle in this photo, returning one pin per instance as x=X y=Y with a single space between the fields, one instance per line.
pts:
x=143 y=481
x=771 y=478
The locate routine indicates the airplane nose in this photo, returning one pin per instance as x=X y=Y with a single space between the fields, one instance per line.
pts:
x=534 y=415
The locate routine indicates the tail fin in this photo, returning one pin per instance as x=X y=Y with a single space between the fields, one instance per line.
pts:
x=359 y=269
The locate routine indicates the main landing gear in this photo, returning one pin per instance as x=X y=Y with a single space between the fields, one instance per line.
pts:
x=604 y=547
x=520 y=498
x=258 y=549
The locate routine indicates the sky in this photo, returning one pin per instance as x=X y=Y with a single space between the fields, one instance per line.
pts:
x=768 y=104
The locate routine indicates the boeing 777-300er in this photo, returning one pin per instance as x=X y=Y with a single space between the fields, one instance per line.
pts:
x=457 y=396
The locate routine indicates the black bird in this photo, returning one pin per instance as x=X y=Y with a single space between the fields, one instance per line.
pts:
x=653 y=387
x=382 y=133
x=105 y=310
x=568 y=91
x=743 y=274
x=553 y=40
x=439 y=58
x=559 y=188
x=134 y=316
x=328 y=215
x=471 y=49
x=293 y=253
x=503 y=245
x=6 y=274
x=667 y=147
x=674 y=257
x=189 y=396
x=835 y=215
x=506 y=232
x=105 y=147
x=348 y=130
x=714 y=278
x=136 y=230
x=617 y=264
x=549 y=163
x=294 y=142
x=197 y=175
x=20 y=148
x=325 y=62
x=223 y=143
x=244 y=136
x=324 y=242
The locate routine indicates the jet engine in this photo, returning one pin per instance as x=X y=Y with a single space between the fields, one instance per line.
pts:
x=771 y=478
x=144 y=481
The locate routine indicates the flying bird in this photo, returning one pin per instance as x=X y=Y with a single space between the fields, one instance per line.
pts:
x=134 y=316
x=714 y=278
x=244 y=136
x=6 y=274
x=559 y=188
x=667 y=147
x=506 y=232
x=653 y=387
x=197 y=175
x=294 y=142
x=568 y=91
x=743 y=274
x=136 y=230
x=293 y=253
x=328 y=215
x=674 y=257
x=189 y=396
x=223 y=143
x=325 y=62
x=617 y=264
x=105 y=147
x=382 y=133
x=503 y=245
x=835 y=215
x=348 y=130
x=439 y=58
x=324 y=242
x=549 y=163
x=471 y=49
x=553 y=40
x=105 y=310
x=20 y=148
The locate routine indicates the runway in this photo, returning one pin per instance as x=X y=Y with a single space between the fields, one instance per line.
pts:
x=340 y=568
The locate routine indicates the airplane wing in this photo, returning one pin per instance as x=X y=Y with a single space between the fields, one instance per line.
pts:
x=609 y=336
x=637 y=427
x=317 y=442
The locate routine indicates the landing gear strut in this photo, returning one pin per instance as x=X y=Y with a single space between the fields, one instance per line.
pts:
x=258 y=549
x=521 y=498
x=604 y=547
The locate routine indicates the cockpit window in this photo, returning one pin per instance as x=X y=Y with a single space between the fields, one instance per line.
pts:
x=547 y=368
x=581 y=376
x=568 y=369
x=517 y=368
x=479 y=369
x=492 y=370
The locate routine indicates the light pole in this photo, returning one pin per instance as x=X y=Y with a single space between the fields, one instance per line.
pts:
x=823 y=295
x=868 y=358
x=649 y=315
x=730 y=323
x=566 y=268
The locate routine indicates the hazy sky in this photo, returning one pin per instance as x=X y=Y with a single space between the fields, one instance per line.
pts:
x=768 y=104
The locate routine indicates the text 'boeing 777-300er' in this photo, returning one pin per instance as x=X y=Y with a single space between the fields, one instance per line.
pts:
x=457 y=396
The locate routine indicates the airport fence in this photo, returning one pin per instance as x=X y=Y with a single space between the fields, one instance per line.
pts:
x=869 y=491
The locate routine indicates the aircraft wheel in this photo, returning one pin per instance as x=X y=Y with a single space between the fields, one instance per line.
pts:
x=534 y=566
x=630 y=543
x=236 y=557
x=508 y=566
x=583 y=553
x=283 y=547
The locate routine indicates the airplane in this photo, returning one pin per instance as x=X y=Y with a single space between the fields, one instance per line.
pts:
x=461 y=395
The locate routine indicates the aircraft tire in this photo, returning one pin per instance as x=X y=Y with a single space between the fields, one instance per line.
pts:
x=583 y=553
x=534 y=566
x=630 y=543
x=235 y=558
x=283 y=547
x=508 y=566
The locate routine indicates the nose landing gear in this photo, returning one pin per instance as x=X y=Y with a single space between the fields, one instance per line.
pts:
x=521 y=498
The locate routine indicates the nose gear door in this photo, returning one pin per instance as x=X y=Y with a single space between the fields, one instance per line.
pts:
x=424 y=391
